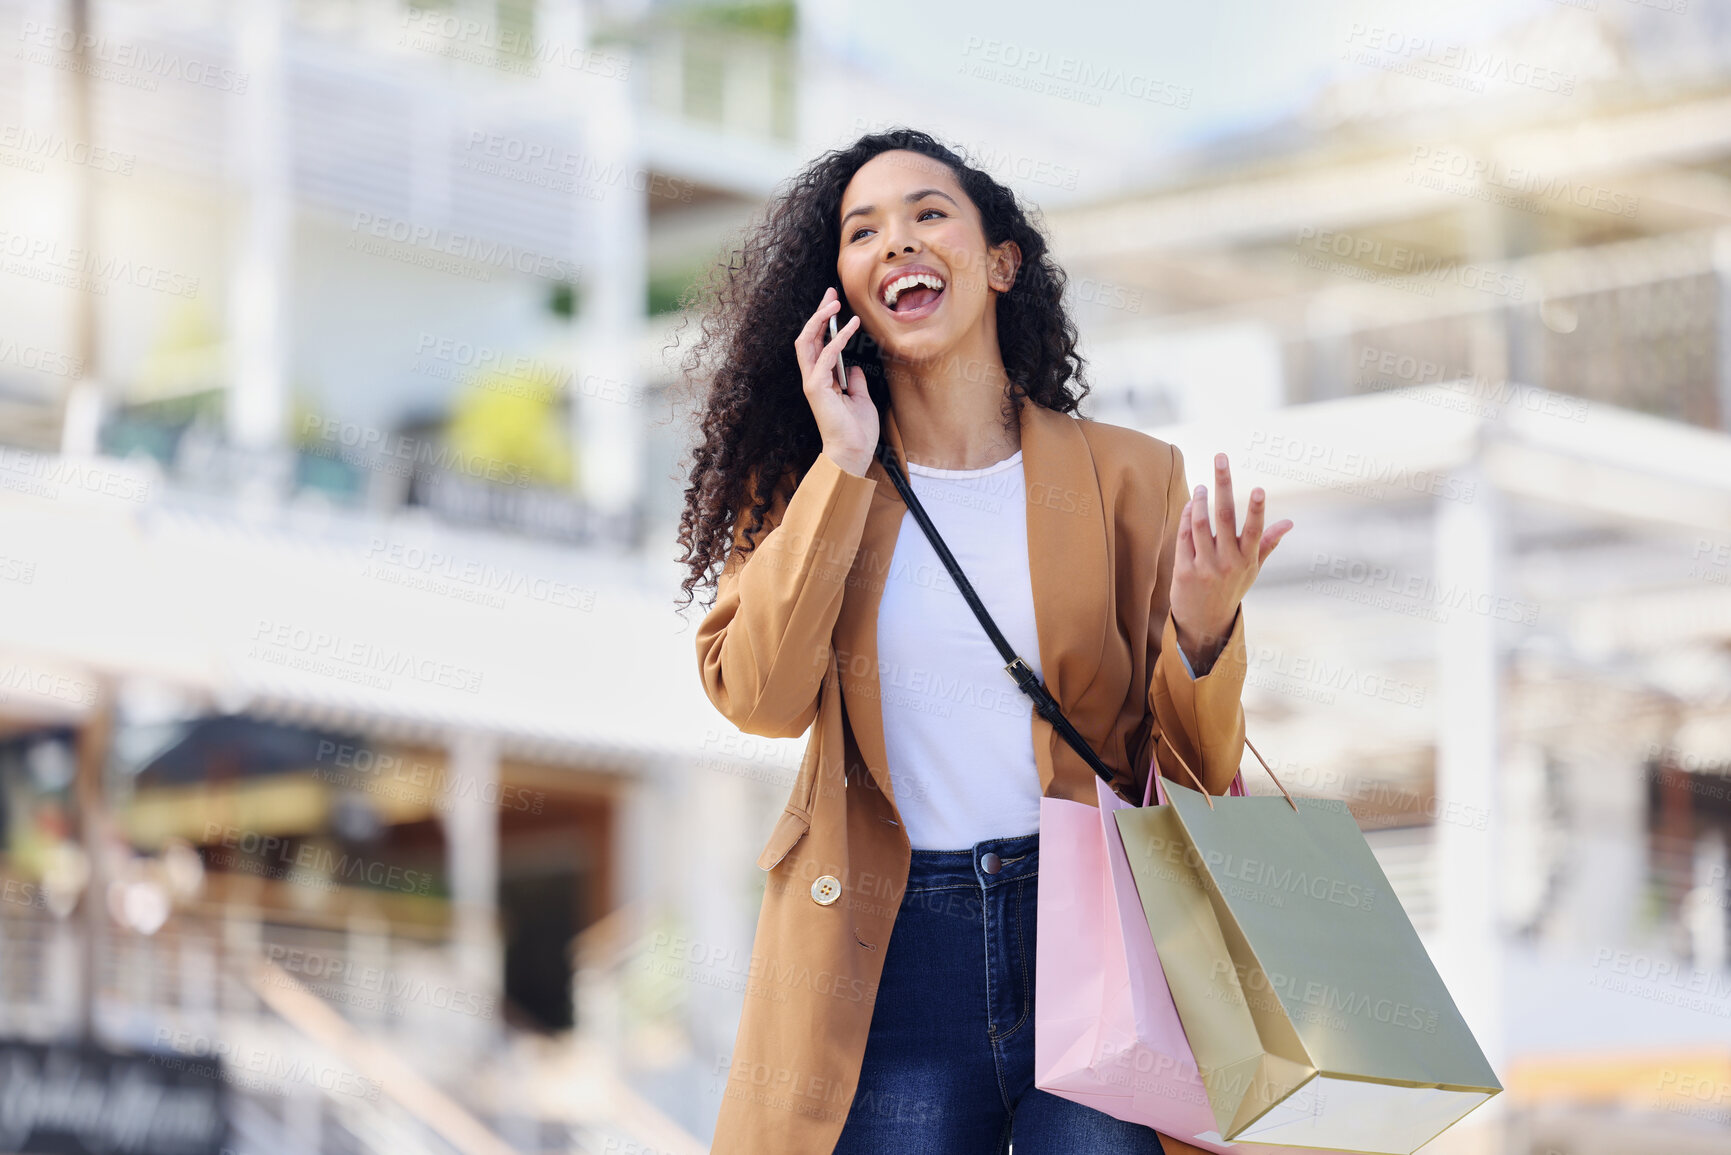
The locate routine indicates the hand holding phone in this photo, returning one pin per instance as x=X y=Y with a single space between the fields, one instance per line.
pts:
x=840 y=365
x=847 y=419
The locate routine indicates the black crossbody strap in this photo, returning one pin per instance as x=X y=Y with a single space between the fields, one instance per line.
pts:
x=1026 y=680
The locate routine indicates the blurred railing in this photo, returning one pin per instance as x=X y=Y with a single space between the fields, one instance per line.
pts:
x=193 y=990
x=1639 y=324
x=356 y=1039
x=1642 y=324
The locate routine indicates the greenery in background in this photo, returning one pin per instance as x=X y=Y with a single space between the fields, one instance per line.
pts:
x=564 y=301
x=667 y=288
x=664 y=290
x=516 y=23
x=514 y=421
x=510 y=427
x=188 y=354
x=704 y=44
x=154 y=428
x=208 y=404
x=773 y=19
x=181 y=381
x=304 y=419
x=318 y=462
x=764 y=19
x=513 y=22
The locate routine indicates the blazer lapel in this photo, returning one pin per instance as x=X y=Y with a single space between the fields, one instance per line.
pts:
x=1069 y=569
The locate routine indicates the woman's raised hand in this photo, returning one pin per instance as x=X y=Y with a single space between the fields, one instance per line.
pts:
x=847 y=422
x=1216 y=566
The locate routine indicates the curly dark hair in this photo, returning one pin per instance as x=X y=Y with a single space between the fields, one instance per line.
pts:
x=754 y=421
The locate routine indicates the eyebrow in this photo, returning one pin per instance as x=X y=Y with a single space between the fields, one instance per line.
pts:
x=917 y=194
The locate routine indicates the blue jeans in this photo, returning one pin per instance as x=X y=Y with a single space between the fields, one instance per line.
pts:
x=949 y=1062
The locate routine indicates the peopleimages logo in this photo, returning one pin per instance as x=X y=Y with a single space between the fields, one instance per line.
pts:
x=482 y=42
x=1290 y=881
x=390 y=775
x=241 y=1059
x=319 y=651
x=1352 y=470
x=1402 y=261
x=1481 y=395
x=45 y=259
x=1439 y=162
x=1317 y=677
x=399 y=453
x=469 y=579
x=1327 y=998
x=1068 y=76
x=328 y=973
x=1357 y=579
x=50 y=476
x=36 y=146
x=1457 y=64
x=310 y=861
x=18 y=677
x=41 y=360
x=1271 y=879
x=102 y=55
x=461 y=245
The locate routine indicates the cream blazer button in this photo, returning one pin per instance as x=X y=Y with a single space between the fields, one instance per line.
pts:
x=826 y=889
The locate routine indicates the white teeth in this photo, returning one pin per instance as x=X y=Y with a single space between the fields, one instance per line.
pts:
x=893 y=290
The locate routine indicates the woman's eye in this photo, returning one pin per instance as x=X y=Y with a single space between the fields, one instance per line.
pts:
x=867 y=228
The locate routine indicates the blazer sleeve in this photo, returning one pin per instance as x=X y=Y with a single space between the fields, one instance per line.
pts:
x=763 y=647
x=1200 y=720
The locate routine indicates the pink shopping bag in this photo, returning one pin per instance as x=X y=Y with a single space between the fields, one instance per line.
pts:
x=1106 y=1032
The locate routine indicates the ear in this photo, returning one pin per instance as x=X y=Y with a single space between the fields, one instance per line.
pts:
x=1006 y=260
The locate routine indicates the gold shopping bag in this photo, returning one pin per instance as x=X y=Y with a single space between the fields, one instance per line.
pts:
x=1315 y=1015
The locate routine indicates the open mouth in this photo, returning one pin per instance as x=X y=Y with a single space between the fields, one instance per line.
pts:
x=915 y=295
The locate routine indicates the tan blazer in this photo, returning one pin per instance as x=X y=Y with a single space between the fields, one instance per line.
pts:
x=792 y=639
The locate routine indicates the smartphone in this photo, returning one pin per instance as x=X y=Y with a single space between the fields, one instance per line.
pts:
x=840 y=366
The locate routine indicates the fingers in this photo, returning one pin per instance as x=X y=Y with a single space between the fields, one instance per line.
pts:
x=1272 y=539
x=1186 y=540
x=1198 y=523
x=1253 y=518
x=1225 y=512
x=832 y=351
x=806 y=346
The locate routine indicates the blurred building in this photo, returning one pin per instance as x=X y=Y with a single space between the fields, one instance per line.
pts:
x=1472 y=337
x=348 y=743
x=347 y=717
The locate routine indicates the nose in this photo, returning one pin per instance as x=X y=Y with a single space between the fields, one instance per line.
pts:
x=894 y=248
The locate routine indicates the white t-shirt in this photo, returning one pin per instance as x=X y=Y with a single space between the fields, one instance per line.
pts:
x=957 y=731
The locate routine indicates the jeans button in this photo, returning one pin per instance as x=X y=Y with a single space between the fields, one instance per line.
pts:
x=991 y=863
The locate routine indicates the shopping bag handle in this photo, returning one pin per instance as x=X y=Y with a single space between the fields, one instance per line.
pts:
x=1236 y=790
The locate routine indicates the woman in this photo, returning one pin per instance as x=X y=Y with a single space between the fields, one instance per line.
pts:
x=917 y=804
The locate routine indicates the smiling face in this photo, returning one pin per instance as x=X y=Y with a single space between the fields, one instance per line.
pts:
x=914 y=262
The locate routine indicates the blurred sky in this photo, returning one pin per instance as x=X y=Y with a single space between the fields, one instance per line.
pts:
x=1249 y=63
